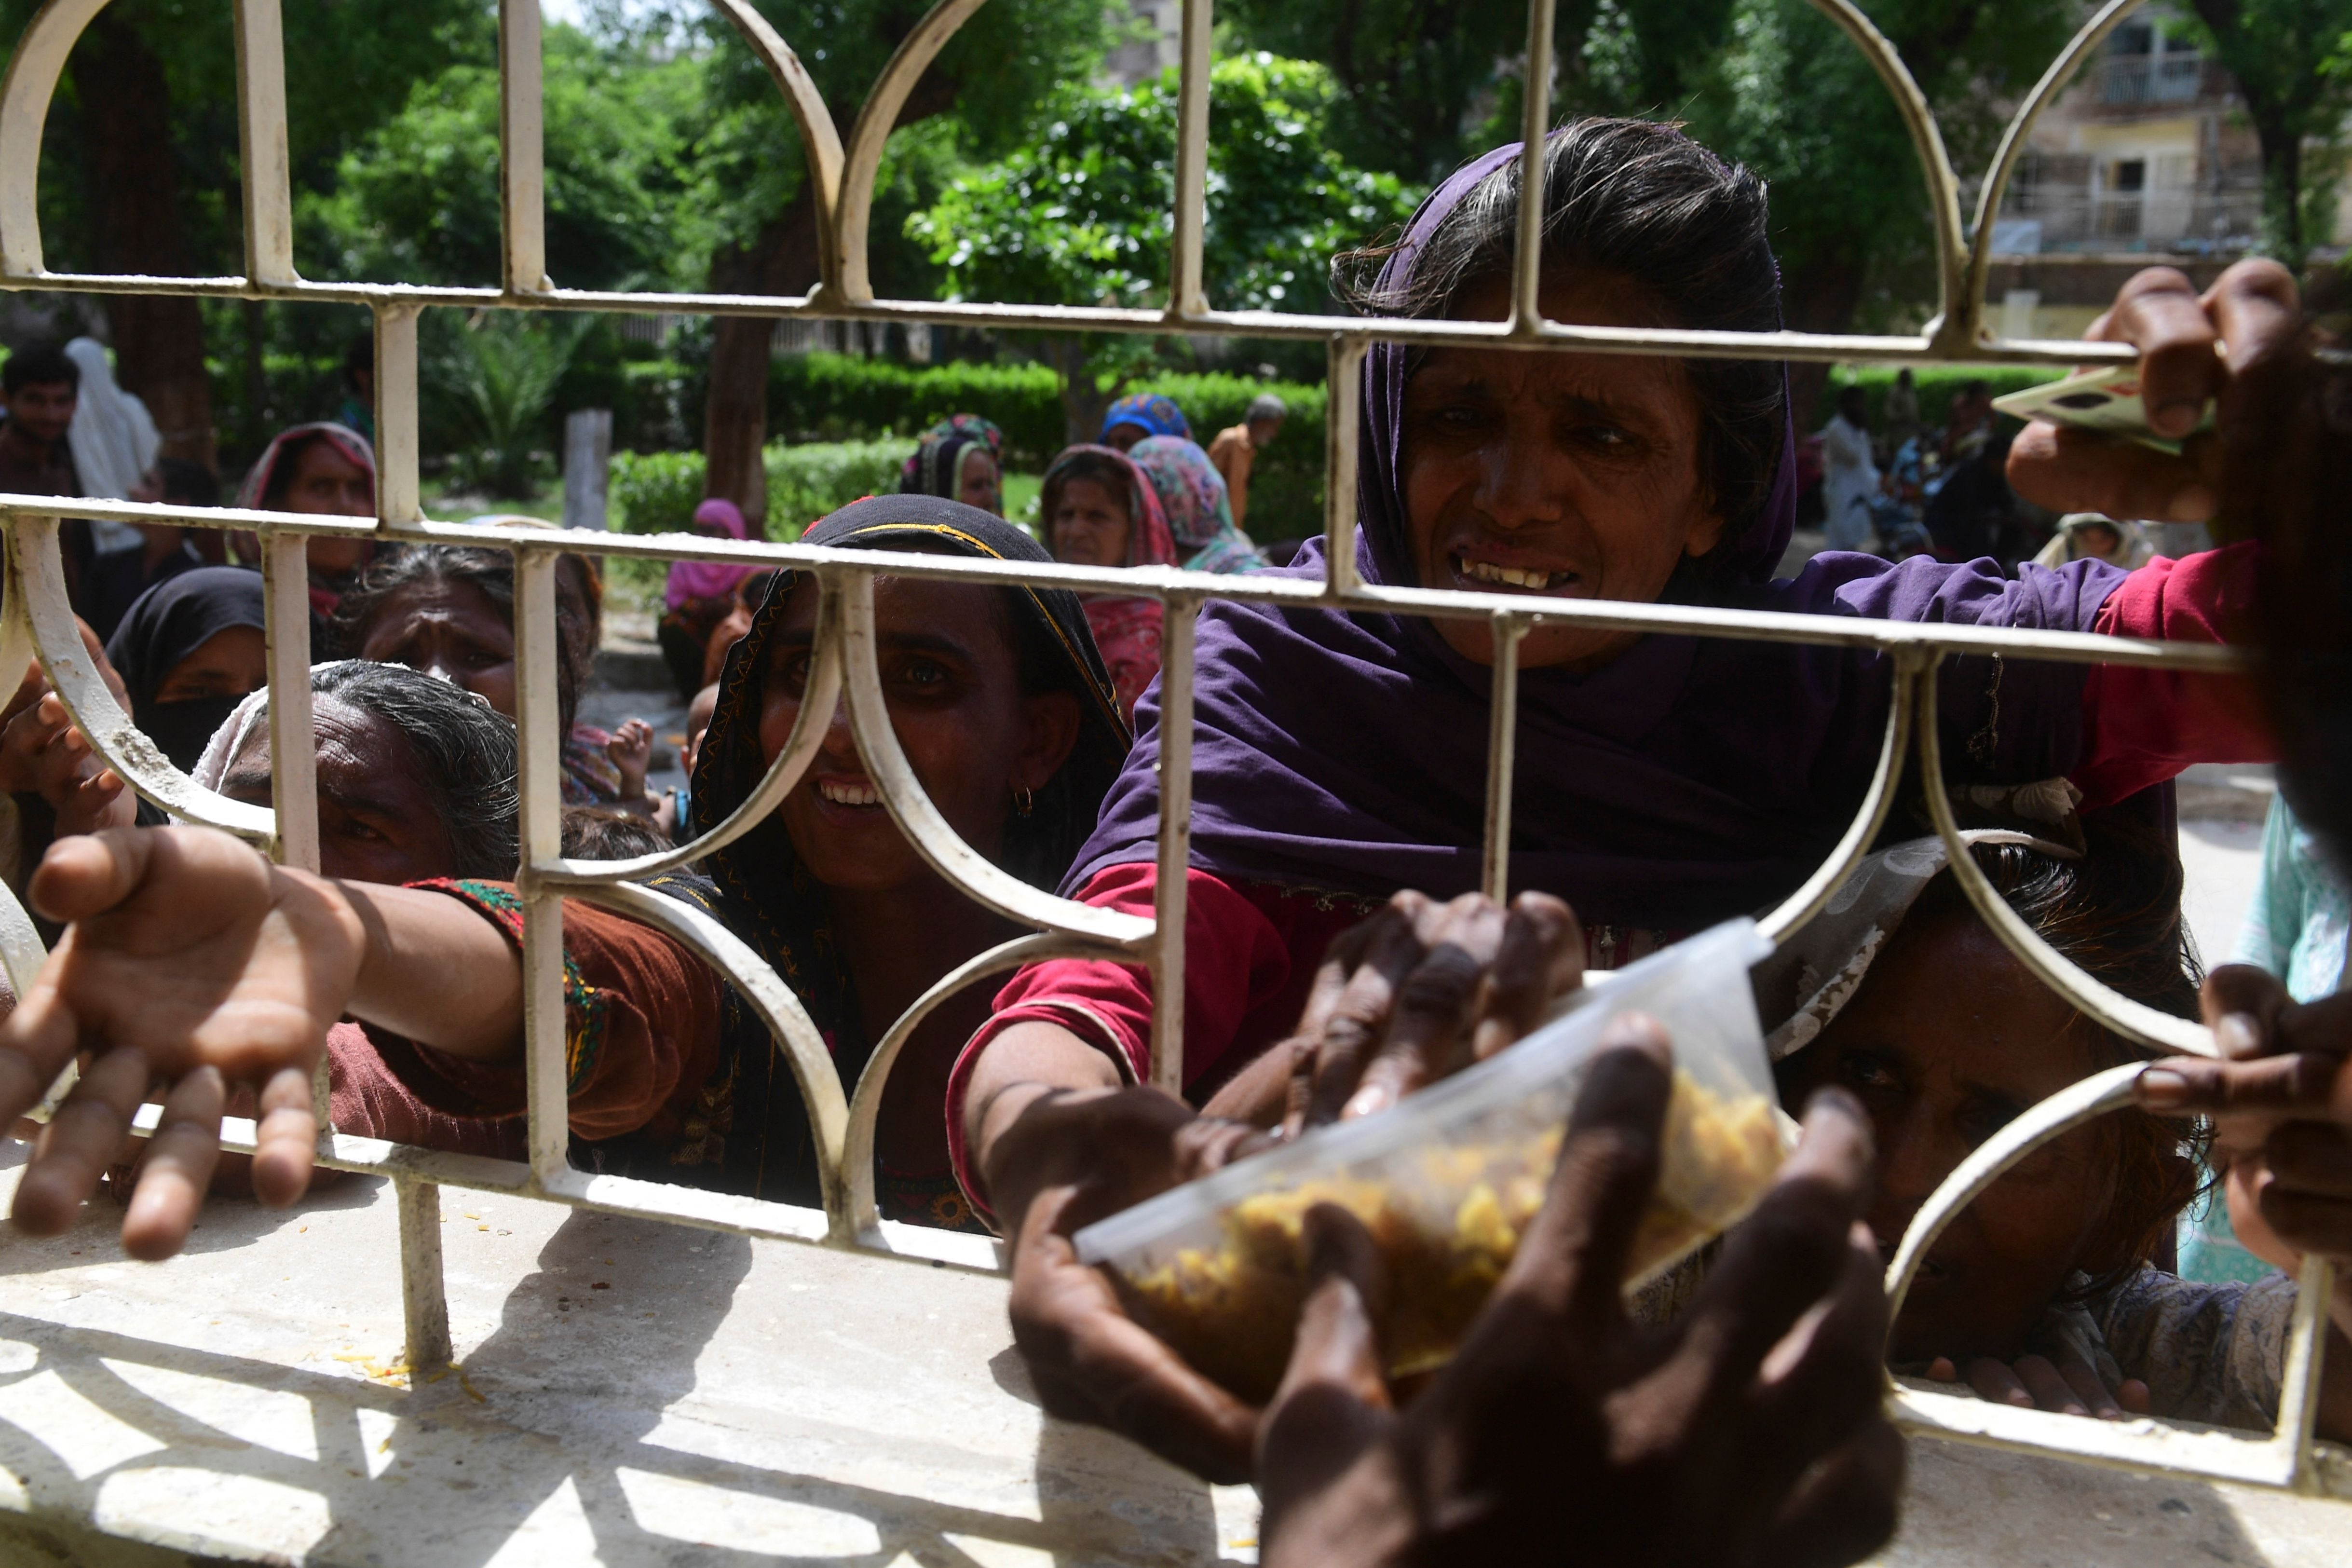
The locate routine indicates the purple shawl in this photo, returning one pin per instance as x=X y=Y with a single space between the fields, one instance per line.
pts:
x=1689 y=780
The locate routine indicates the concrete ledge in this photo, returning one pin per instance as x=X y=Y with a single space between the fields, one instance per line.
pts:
x=635 y=1394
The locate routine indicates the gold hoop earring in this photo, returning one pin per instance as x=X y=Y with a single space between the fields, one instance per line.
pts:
x=1024 y=802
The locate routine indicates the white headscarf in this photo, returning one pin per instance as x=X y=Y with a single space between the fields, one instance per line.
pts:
x=1817 y=972
x=113 y=436
x=246 y=716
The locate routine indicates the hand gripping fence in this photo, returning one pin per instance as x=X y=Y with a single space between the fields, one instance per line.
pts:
x=37 y=622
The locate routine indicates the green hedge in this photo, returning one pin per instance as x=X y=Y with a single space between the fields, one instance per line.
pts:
x=835 y=399
x=656 y=492
x=829 y=397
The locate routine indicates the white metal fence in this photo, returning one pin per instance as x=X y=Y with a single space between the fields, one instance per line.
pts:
x=37 y=621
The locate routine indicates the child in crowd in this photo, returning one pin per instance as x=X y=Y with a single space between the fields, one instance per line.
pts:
x=2045 y=1290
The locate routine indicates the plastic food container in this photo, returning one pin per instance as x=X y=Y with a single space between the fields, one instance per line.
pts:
x=1447 y=1180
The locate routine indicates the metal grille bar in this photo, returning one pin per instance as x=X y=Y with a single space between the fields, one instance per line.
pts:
x=35 y=620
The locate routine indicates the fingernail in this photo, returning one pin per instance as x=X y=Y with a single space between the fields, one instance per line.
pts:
x=2161 y=1088
x=2179 y=416
x=1367 y=1100
x=2239 y=1035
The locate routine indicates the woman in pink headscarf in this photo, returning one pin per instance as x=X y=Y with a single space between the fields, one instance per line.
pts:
x=321 y=467
x=700 y=596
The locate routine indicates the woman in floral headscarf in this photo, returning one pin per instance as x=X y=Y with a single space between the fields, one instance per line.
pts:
x=961 y=458
x=1133 y=419
x=1199 y=514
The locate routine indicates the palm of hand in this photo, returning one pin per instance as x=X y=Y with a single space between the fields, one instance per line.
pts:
x=239 y=972
x=192 y=962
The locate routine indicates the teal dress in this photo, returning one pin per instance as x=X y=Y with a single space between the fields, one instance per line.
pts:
x=2296 y=929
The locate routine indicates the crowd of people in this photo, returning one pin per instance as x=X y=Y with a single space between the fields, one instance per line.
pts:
x=1337 y=953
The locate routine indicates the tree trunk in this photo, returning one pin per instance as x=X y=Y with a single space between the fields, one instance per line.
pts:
x=1084 y=402
x=134 y=202
x=1819 y=296
x=2282 y=151
x=780 y=259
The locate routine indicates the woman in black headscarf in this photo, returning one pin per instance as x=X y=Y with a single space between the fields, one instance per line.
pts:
x=982 y=685
x=1003 y=708
x=189 y=650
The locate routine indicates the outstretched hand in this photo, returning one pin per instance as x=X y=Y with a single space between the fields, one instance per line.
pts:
x=1417 y=992
x=1071 y=1158
x=2281 y=1107
x=192 y=963
x=1749 y=1432
x=2230 y=345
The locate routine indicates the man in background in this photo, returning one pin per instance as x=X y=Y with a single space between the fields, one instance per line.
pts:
x=41 y=389
x=1234 y=451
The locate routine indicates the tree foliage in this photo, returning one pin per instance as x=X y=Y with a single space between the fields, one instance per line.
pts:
x=1081 y=214
x=417 y=200
x=2292 y=63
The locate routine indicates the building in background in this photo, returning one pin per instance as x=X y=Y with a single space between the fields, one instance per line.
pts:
x=2147 y=158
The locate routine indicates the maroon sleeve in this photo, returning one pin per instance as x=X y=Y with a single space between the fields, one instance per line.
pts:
x=641 y=1022
x=2142 y=726
x=1250 y=954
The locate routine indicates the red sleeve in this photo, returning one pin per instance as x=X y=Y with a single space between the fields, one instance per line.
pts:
x=2142 y=726
x=641 y=1021
x=1250 y=954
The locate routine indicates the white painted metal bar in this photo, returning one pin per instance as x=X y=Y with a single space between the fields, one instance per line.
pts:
x=522 y=149
x=1342 y=430
x=1814 y=897
x=265 y=165
x=2005 y=157
x=1535 y=126
x=39 y=576
x=2134 y=1020
x=819 y=693
x=293 y=755
x=399 y=498
x=788 y=1023
x=32 y=71
x=865 y=1104
x=1171 y=887
x=1187 y=290
x=546 y=1062
x=862 y=161
x=1955 y=327
x=35 y=620
x=819 y=136
x=1502 y=738
x=424 y=1303
x=1162 y=581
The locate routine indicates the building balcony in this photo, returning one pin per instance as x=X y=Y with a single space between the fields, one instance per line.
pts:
x=2130 y=81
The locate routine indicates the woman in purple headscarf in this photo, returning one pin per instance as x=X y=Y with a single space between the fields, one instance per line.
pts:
x=1662 y=783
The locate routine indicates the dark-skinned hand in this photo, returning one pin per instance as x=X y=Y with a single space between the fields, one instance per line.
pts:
x=1749 y=1432
x=1417 y=991
x=192 y=965
x=2280 y=1104
x=2254 y=310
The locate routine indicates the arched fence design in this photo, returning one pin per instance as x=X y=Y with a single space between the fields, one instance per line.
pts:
x=37 y=622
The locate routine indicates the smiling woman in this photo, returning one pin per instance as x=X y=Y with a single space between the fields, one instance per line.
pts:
x=1662 y=782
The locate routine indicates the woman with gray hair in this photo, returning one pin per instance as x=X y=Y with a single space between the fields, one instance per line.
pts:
x=416 y=777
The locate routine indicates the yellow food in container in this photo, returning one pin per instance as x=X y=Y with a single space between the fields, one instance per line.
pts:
x=1447 y=1181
